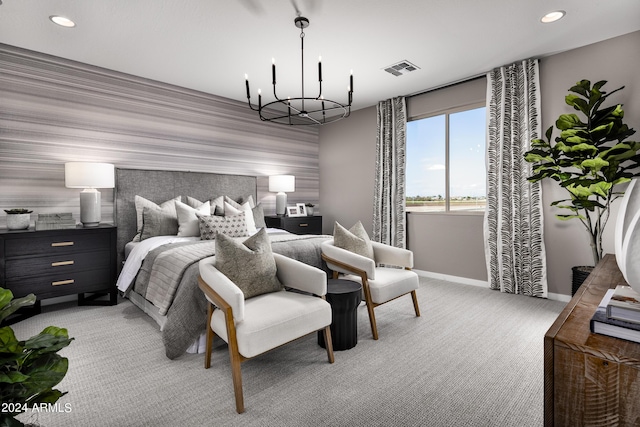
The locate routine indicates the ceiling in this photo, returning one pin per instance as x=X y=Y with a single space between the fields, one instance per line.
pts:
x=209 y=45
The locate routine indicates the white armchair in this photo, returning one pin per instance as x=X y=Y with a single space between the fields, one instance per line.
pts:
x=380 y=284
x=259 y=324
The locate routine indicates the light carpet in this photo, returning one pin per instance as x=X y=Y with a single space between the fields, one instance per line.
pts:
x=474 y=358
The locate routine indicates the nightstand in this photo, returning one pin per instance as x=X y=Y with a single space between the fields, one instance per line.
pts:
x=295 y=224
x=53 y=263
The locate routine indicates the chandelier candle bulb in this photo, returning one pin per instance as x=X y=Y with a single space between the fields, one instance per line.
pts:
x=246 y=79
x=351 y=82
x=273 y=70
x=320 y=68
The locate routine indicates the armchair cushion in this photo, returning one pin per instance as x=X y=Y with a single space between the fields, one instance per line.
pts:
x=389 y=283
x=249 y=264
x=273 y=319
x=355 y=239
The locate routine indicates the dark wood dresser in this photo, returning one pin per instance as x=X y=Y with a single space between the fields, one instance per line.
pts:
x=53 y=263
x=590 y=379
x=295 y=224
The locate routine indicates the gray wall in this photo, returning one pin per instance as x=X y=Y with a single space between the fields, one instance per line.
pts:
x=53 y=111
x=347 y=152
x=618 y=61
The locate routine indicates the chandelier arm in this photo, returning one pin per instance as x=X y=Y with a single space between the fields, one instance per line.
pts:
x=293 y=111
x=302 y=62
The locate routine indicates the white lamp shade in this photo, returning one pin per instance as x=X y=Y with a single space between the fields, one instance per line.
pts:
x=89 y=175
x=282 y=183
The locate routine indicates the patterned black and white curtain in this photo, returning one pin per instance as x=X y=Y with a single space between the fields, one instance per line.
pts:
x=513 y=226
x=389 y=198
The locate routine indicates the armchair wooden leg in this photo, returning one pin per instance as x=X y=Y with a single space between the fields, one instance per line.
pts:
x=335 y=274
x=370 y=305
x=372 y=320
x=328 y=343
x=207 y=355
x=236 y=373
x=414 y=296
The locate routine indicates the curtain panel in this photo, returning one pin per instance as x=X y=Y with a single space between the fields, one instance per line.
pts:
x=389 y=221
x=513 y=227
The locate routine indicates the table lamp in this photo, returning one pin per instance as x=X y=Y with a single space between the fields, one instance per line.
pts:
x=89 y=176
x=282 y=184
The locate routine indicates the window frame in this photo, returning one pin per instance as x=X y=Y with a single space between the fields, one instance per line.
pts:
x=447 y=112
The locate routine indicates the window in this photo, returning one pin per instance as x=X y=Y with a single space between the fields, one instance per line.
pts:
x=446 y=162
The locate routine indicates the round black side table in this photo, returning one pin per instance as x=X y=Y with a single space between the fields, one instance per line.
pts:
x=344 y=297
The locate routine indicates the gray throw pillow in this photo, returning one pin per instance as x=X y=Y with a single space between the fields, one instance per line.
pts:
x=158 y=222
x=249 y=264
x=232 y=225
x=258 y=216
x=354 y=240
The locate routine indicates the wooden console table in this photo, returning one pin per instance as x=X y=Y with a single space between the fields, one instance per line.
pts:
x=590 y=379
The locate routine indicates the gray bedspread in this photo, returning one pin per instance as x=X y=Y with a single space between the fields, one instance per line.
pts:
x=186 y=314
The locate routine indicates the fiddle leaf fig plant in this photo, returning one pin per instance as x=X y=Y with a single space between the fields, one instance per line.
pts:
x=28 y=369
x=589 y=158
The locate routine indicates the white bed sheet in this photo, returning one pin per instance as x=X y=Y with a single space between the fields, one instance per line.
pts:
x=138 y=254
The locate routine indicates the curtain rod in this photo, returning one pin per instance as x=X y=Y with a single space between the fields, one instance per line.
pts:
x=465 y=80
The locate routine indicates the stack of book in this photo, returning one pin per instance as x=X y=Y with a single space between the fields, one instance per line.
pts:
x=618 y=314
x=55 y=221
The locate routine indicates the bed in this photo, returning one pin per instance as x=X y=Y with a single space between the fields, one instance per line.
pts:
x=159 y=273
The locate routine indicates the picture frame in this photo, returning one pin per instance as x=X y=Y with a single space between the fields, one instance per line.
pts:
x=302 y=209
x=292 y=211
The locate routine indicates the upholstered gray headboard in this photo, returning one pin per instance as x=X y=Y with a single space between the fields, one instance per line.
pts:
x=160 y=186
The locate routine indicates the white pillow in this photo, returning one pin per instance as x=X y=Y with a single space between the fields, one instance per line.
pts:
x=168 y=207
x=248 y=199
x=217 y=204
x=251 y=223
x=188 y=225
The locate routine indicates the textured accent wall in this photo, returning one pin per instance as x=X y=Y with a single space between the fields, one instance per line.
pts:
x=54 y=110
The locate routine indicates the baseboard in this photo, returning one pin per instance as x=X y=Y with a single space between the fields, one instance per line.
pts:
x=449 y=278
x=481 y=283
x=559 y=297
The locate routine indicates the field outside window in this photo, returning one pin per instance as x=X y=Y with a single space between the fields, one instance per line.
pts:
x=446 y=169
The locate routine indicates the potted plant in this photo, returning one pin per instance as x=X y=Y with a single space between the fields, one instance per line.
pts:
x=309 y=208
x=18 y=219
x=589 y=158
x=28 y=369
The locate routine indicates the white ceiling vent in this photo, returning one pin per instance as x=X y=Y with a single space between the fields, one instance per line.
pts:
x=401 y=68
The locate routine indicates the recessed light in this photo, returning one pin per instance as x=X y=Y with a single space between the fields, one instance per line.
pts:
x=62 y=21
x=552 y=16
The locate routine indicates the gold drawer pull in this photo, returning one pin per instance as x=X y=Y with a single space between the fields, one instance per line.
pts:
x=62 y=282
x=59 y=263
x=304 y=225
x=58 y=244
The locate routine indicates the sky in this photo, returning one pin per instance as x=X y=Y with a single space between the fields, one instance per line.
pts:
x=425 y=172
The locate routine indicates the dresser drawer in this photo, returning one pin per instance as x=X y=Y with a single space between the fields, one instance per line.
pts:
x=56 y=265
x=64 y=283
x=304 y=225
x=57 y=243
x=296 y=225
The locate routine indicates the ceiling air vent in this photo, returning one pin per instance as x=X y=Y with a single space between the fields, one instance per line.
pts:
x=401 y=68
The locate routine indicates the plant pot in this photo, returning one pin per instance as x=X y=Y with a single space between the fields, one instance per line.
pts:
x=580 y=274
x=18 y=221
x=309 y=210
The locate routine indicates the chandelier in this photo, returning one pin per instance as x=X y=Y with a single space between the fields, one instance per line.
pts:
x=302 y=110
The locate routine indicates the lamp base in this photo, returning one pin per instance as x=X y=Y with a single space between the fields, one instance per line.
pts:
x=281 y=203
x=90 y=214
